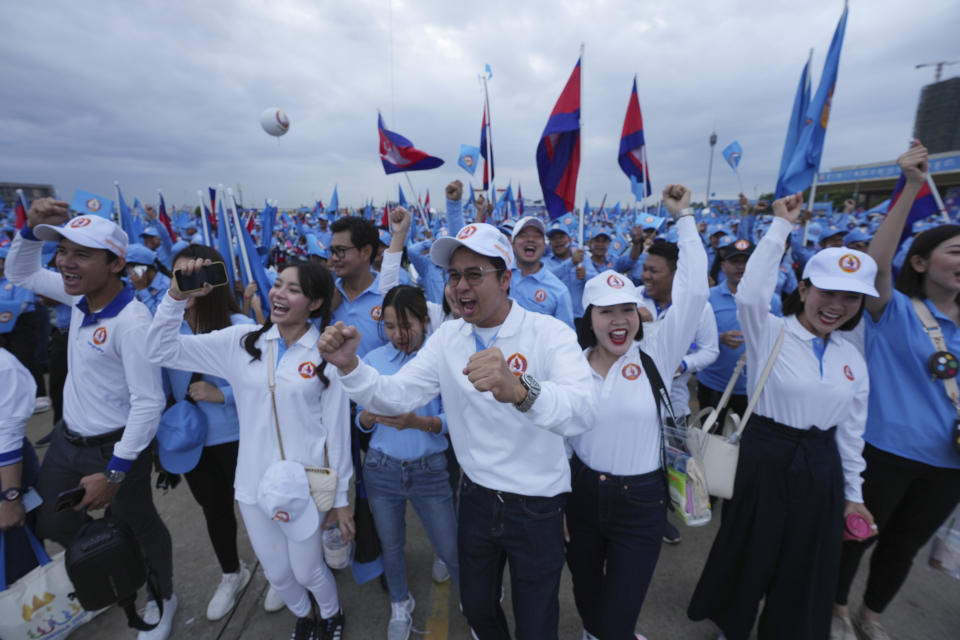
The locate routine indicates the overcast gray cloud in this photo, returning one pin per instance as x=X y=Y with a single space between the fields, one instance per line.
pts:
x=168 y=94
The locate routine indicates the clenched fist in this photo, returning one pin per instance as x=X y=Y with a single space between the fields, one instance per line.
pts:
x=338 y=345
x=487 y=371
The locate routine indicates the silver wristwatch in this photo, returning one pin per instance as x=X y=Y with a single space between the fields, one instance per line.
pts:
x=533 y=390
x=115 y=476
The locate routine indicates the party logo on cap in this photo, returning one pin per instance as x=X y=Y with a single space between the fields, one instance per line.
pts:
x=6 y=316
x=93 y=204
x=741 y=245
x=631 y=371
x=307 y=370
x=848 y=372
x=849 y=263
x=615 y=282
x=78 y=223
x=375 y=313
x=539 y=295
x=100 y=336
x=281 y=516
x=466 y=232
x=517 y=364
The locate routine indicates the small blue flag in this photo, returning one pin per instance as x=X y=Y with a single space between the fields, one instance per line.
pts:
x=732 y=154
x=468 y=158
x=488 y=70
x=86 y=203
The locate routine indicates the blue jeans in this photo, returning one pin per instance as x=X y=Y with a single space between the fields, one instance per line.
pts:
x=526 y=530
x=390 y=482
x=616 y=529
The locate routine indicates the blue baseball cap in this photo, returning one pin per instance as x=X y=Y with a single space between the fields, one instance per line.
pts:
x=180 y=437
x=139 y=254
x=385 y=237
x=857 y=236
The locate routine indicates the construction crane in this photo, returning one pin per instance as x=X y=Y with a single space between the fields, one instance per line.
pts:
x=939 y=65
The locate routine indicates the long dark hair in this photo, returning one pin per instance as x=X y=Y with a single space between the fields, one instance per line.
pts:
x=316 y=283
x=213 y=310
x=910 y=281
x=793 y=306
x=407 y=302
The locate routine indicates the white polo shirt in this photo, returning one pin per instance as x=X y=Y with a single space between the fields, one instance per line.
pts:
x=310 y=415
x=497 y=446
x=803 y=390
x=17 y=396
x=110 y=383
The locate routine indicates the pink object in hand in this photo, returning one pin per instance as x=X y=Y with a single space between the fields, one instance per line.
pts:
x=856 y=527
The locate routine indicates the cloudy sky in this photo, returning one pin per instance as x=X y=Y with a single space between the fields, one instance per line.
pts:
x=168 y=94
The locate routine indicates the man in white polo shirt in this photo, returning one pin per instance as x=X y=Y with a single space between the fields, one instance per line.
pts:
x=513 y=384
x=113 y=395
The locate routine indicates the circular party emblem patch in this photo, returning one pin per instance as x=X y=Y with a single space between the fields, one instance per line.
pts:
x=93 y=204
x=849 y=263
x=741 y=245
x=848 y=372
x=375 y=313
x=615 y=282
x=100 y=336
x=517 y=364
x=78 y=223
x=307 y=369
x=281 y=516
x=631 y=371
x=466 y=232
x=540 y=295
x=6 y=316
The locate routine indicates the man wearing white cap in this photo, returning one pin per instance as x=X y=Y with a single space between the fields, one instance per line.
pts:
x=534 y=287
x=112 y=397
x=513 y=384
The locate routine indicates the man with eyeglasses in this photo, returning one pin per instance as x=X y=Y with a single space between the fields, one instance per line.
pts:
x=513 y=384
x=353 y=246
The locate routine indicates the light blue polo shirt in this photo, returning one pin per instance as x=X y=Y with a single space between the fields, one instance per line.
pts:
x=363 y=313
x=909 y=414
x=153 y=293
x=566 y=271
x=632 y=268
x=718 y=374
x=542 y=292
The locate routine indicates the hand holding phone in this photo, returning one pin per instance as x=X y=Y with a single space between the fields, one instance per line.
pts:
x=197 y=276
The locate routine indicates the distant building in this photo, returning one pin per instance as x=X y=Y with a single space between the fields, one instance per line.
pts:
x=873 y=183
x=8 y=192
x=938 y=116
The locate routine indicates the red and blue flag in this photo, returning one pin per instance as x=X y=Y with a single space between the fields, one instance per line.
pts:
x=924 y=205
x=558 y=153
x=485 y=142
x=398 y=154
x=633 y=150
x=20 y=211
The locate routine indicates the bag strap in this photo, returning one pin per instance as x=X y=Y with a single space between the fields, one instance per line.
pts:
x=755 y=396
x=933 y=330
x=38 y=551
x=727 y=392
x=196 y=377
x=272 y=382
x=660 y=396
x=129 y=604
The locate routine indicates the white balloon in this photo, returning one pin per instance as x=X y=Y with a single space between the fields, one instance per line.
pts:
x=274 y=121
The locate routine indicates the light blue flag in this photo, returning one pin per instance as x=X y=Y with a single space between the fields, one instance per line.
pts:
x=402 y=201
x=87 y=203
x=334 y=202
x=468 y=158
x=130 y=223
x=488 y=70
x=806 y=157
x=732 y=154
x=797 y=117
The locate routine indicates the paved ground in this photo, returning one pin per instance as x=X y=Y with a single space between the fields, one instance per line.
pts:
x=928 y=608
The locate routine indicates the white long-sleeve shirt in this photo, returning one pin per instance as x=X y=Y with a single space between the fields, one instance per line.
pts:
x=310 y=415
x=498 y=447
x=802 y=391
x=17 y=395
x=110 y=382
x=626 y=438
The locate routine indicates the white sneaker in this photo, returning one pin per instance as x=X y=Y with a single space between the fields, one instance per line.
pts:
x=400 y=620
x=272 y=601
x=151 y=614
x=225 y=597
x=440 y=572
x=41 y=404
x=588 y=636
x=841 y=628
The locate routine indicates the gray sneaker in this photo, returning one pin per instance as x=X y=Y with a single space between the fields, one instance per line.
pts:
x=867 y=630
x=841 y=628
x=440 y=572
x=401 y=622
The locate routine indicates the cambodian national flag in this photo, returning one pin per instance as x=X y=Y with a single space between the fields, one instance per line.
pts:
x=558 y=154
x=519 y=202
x=923 y=205
x=20 y=211
x=165 y=219
x=732 y=154
x=633 y=151
x=398 y=154
x=486 y=141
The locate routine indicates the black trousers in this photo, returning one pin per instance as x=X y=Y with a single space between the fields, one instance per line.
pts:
x=63 y=467
x=211 y=483
x=909 y=500
x=708 y=397
x=57 y=357
x=23 y=343
x=779 y=538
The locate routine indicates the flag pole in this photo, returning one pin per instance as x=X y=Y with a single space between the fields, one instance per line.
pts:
x=203 y=219
x=226 y=223
x=489 y=161
x=232 y=203
x=936 y=197
x=416 y=197
x=116 y=188
x=580 y=123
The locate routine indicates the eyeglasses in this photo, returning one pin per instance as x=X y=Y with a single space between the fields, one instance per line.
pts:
x=340 y=252
x=474 y=275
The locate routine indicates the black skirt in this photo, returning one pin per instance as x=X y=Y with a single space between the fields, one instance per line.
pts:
x=779 y=538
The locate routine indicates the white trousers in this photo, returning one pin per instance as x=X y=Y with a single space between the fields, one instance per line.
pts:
x=292 y=568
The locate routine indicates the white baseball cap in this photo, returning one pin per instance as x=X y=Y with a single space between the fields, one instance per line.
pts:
x=609 y=288
x=87 y=231
x=527 y=221
x=479 y=237
x=842 y=269
x=284 y=496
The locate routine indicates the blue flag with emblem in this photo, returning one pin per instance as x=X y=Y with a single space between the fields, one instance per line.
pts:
x=86 y=203
x=732 y=154
x=468 y=158
x=9 y=312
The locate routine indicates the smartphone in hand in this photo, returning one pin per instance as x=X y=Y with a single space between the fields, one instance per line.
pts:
x=214 y=274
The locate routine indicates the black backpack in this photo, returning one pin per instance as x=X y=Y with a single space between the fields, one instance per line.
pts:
x=107 y=566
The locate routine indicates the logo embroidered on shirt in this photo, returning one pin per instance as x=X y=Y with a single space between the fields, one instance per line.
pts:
x=848 y=372
x=849 y=263
x=6 y=316
x=466 y=232
x=539 y=295
x=307 y=369
x=100 y=336
x=375 y=313
x=631 y=371
x=77 y=223
x=615 y=281
x=517 y=364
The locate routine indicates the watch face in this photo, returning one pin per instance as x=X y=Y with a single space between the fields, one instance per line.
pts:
x=11 y=494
